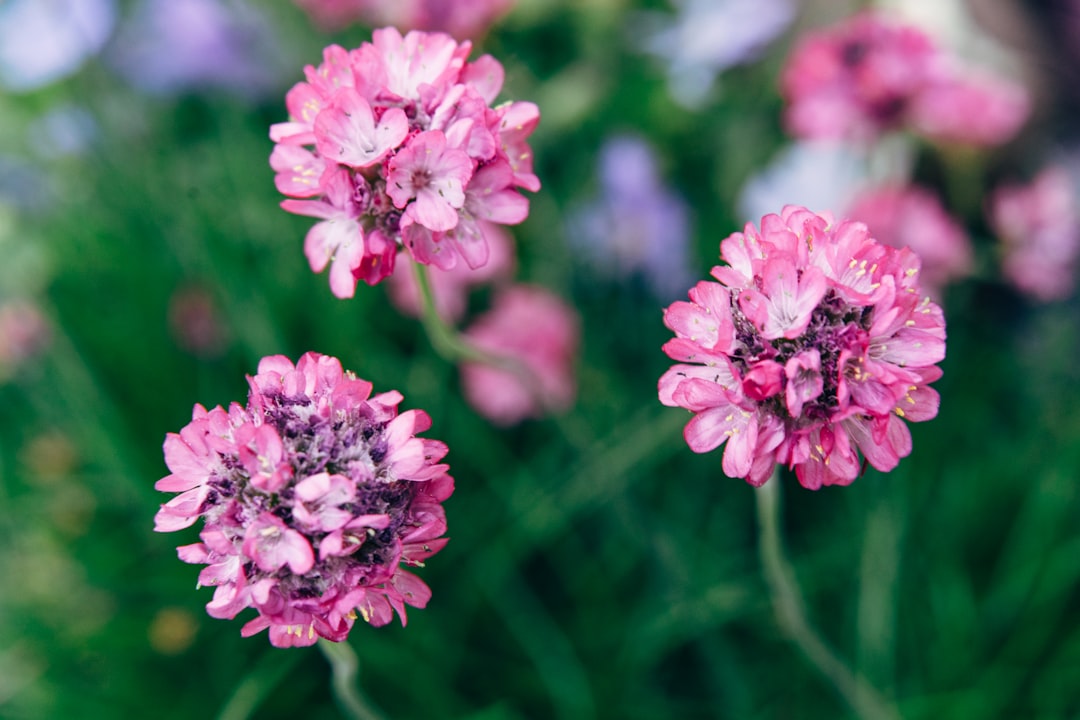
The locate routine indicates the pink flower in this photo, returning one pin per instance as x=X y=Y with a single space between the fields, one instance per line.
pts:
x=970 y=108
x=396 y=145
x=1039 y=227
x=813 y=347
x=530 y=326
x=871 y=74
x=433 y=175
x=24 y=332
x=913 y=217
x=450 y=287
x=460 y=18
x=856 y=79
x=312 y=497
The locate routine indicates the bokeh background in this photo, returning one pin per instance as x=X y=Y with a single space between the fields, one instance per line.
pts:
x=597 y=567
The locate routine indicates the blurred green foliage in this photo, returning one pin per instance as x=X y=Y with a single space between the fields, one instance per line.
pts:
x=597 y=567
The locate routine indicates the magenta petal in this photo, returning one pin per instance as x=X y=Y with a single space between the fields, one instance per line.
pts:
x=711 y=428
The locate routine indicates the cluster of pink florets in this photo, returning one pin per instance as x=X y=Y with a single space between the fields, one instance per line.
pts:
x=460 y=18
x=312 y=496
x=815 y=344
x=395 y=144
x=871 y=74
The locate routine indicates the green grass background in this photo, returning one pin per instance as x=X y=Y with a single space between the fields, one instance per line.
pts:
x=597 y=567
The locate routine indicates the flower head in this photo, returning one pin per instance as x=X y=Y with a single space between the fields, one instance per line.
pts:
x=460 y=18
x=1039 y=226
x=531 y=326
x=871 y=74
x=396 y=144
x=814 y=345
x=312 y=496
x=638 y=226
x=856 y=79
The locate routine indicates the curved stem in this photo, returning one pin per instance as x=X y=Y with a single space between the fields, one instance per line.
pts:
x=445 y=339
x=449 y=343
x=257 y=685
x=790 y=609
x=345 y=667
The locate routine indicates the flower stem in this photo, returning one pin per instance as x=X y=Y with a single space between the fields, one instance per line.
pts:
x=445 y=339
x=790 y=609
x=449 y=343
x=345 y=667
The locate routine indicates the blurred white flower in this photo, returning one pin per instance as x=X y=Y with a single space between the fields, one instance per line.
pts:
x=818 y=175
x=42 y=41
x=707 y=37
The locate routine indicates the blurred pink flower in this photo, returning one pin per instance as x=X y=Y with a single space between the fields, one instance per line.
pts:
x=815 y=345
x=871 y=74
x=313 y=496
x=970 y=108
x=450 y=287
x=460 y=18
x=856 y=79
x=531 y=326
x=913 y=217
x=196 y=322
x=1039 y=227
x=408 y=152
x=24 y=332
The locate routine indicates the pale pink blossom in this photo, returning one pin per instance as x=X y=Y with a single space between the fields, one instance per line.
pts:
x=909 y=216
x=450 y=288
x=24 y=332
x=313 y=497
x=857 y=78
x=778 y=379
x=529 y=326
x=395 y=144
x=460 y=18
x=1039 y=227
x=970 y=108
x=872 y=73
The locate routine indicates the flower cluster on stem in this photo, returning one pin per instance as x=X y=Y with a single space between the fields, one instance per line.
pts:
x=871 y=74
x=395 y=144
x=313 y=496
x=815 y=344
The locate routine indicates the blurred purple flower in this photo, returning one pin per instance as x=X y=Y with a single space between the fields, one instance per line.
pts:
x=42 y=41
x=172 y=46
x=707 y=37
x=65 y=130
x=637 y=225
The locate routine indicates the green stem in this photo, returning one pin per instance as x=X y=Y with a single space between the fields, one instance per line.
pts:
x=345 y=667
x=257 y=685
x=449 y=343
x=790 y=609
